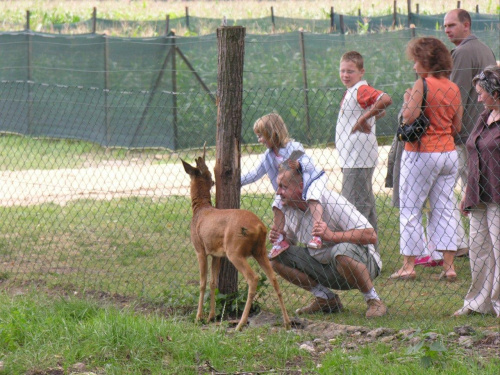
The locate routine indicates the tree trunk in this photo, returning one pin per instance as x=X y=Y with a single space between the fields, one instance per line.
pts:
x=231 y=43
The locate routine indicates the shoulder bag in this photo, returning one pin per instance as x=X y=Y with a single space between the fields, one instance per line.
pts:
x=414 y=131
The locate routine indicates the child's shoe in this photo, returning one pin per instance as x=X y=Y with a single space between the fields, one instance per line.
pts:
x=278 y=248
x=315 y=243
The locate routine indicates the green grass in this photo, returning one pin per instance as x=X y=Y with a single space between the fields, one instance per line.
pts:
x=41 y=334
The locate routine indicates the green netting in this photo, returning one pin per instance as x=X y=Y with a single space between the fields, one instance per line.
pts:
x=131 y=92
x=193 y=25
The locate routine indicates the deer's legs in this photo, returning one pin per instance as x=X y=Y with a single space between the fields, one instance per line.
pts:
x=252 y=279
x=268 y=270
x=202 y=263
x=214 y=281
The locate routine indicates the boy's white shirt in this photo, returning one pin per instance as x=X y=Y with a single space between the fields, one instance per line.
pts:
x=356 y=150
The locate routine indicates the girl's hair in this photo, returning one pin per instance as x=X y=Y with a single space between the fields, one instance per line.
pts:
x=273 y=129
x=489 y=81
x=432 y=54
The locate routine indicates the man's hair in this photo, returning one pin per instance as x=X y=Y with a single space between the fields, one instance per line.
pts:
x=296 y=173
x=354 y=57
x=464 y=16
x=432 y=54
x=272 y=128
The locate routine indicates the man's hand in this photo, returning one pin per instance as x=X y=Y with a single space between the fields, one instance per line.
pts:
x=274 y=234
x=320 y=229
x=462 y=208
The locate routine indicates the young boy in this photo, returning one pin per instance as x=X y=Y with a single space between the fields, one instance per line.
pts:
x=355 y=137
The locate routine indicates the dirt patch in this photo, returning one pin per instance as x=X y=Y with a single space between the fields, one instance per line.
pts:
x=113 y=179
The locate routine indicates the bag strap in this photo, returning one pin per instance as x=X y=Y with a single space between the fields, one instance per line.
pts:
x=424 y=96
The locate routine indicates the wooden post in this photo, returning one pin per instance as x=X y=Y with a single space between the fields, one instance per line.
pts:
x=394 y=15
x=174 y=89
x=458 y=4
x=332 y=20
x=477 y=8
x=418 y=8
x=94 y=20
x=231 y=46
x=30 y=72
x=106 y=89
x=272 y=20
x=167 y=24
x=409 y=12
x=187 y=18
x=341 y=21
x=306 y=95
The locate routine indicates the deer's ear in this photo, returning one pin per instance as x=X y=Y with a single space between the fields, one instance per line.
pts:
x=190 y=170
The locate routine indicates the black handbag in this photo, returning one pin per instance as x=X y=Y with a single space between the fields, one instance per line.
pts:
x=414 y=131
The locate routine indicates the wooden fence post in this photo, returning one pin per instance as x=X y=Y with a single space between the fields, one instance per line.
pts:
x=306 y=89
x=94 y=20
x=332 y=20
x=231 y=46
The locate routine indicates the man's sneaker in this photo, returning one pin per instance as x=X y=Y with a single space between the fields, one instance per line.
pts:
x=315 y=243
x=376 y=308
x=278 y=248
x=331 y=305
x=427 y=261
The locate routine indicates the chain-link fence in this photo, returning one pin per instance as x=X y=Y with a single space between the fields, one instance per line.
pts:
x=94 y=196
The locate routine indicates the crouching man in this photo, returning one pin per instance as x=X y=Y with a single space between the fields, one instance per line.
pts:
x=347 y=260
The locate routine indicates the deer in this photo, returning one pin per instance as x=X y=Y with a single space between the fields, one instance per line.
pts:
x=236 y=234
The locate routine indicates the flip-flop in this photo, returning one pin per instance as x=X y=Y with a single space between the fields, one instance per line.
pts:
x=398 y=276
x=450 y=278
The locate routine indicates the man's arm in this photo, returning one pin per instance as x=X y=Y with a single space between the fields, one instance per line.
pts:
x=364 y=236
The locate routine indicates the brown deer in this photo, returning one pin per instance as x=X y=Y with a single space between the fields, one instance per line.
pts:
x=232 y=233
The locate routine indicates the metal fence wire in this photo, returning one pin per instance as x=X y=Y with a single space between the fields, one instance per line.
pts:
x=92 y=190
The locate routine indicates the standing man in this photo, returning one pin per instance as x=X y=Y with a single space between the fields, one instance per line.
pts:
x=470 y=57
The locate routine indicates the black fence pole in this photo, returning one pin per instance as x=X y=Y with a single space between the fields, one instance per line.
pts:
x=167 y=24
x=187 y=18
x=459 y=4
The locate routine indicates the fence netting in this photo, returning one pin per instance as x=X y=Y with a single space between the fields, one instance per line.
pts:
x=92 y=190
x=192 y=25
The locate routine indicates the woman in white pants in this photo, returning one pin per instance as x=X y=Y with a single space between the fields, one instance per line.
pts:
x=429 y=165
x=482 y=199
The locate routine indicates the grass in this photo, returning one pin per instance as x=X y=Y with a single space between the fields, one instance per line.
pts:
x=42 y=334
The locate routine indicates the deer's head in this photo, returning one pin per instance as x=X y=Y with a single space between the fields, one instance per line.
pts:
x=201 y=178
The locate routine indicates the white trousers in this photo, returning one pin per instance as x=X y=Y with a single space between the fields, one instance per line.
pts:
x=484 y=245
x=428 y=176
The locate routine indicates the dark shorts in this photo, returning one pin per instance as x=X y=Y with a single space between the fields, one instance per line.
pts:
x=327 y=274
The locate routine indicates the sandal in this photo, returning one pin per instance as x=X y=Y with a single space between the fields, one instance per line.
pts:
x=277 y=249
x=451 y=278
x=402 y=276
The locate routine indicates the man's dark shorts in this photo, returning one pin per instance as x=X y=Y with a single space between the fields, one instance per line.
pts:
x=327 y=274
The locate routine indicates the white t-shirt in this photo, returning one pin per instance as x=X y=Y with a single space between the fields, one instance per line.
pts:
x=339 y=215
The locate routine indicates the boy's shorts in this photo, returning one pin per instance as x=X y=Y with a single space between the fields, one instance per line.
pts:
x=298 y=258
